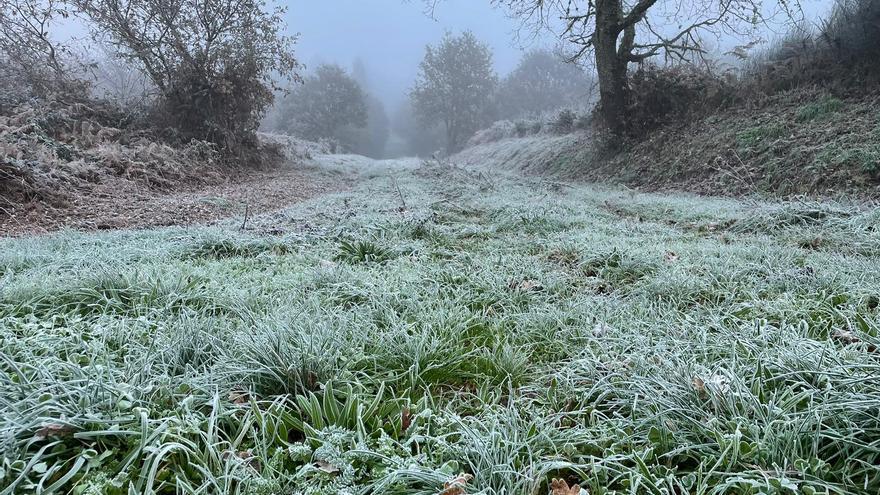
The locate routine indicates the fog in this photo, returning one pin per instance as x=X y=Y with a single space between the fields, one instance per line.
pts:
x=389 y=36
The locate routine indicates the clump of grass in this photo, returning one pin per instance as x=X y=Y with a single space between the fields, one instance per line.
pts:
x=803 y=214
x=754 y=137
x=616 y=270
x=363 y=252
x=863 y=157
x=821 y=109
x=233 y=248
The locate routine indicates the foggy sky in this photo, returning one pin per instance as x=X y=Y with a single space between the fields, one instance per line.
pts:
x=390 y=36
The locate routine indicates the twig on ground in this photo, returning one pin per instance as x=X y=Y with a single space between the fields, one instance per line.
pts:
x=247 y=210
x=399 y=194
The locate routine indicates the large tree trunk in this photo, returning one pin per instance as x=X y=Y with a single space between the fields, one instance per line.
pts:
x=611 y=66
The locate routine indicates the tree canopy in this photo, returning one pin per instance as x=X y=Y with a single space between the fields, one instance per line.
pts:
x=454 y=87
x=541 y=82
x=328 y=100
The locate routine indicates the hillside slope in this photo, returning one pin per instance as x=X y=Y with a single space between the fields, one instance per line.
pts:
x=804 y=142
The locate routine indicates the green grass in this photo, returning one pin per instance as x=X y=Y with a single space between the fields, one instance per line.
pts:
x=819 y=109
x=759 y=135
x=864 y=157
x=630 y=343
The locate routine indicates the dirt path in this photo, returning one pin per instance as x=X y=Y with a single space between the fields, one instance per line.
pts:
x=117 y=207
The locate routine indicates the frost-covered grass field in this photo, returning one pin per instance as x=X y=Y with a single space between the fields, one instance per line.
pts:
x=514 y=330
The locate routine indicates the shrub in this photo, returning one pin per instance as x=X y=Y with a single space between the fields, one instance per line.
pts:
x=564 y=122
x=212 y=63
x=502 y=129
x=845 y=51
x=660 y=96
x=537 y=126
x=32 y=63
x=584 y=122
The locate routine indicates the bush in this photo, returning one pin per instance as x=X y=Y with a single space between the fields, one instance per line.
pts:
x=213 y=84
x=564 y=122
x=33 y=63
x=659 y=96
x=852 y=33
x=844 y=51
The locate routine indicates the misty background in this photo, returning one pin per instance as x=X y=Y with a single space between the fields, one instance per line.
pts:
x=380 y=44
x=389 y=36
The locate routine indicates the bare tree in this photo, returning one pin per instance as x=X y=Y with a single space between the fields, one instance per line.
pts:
x=454 y=87
x=212 y=62
x=612 y=34
x=27 y=51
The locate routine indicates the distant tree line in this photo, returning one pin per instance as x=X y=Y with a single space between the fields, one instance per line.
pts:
x=333 y=105
x=457 y=92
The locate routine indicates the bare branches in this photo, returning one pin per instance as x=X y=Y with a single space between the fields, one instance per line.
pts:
x=27 y=50
x=213 y=62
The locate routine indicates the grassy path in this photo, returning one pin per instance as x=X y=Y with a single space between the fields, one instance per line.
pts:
x=436 y=321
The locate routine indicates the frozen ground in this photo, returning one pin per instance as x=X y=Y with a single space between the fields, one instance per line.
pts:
x=433 y=320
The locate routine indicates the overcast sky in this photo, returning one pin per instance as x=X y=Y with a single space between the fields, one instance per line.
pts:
x=390 y=35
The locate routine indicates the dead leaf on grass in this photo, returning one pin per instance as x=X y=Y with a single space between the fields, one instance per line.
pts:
x=560 y=487
x=457 y=485
x=699 y=385
x=405 y=420
x=54 y=430
x=238 y=396
x=245 y=456
x=326 y=467
x=528 y=285
x=845 y=337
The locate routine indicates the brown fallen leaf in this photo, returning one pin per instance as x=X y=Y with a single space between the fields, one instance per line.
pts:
x=54 y=430
x=326 y=467
x=718 y=383
x=560 y=487
x=238 y=396
x=526 y=285
x=405 y=420
x=846 y=337
x=457 y=485
x=246 y=456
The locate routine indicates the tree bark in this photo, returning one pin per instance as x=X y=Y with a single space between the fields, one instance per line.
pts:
x=611 y=65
